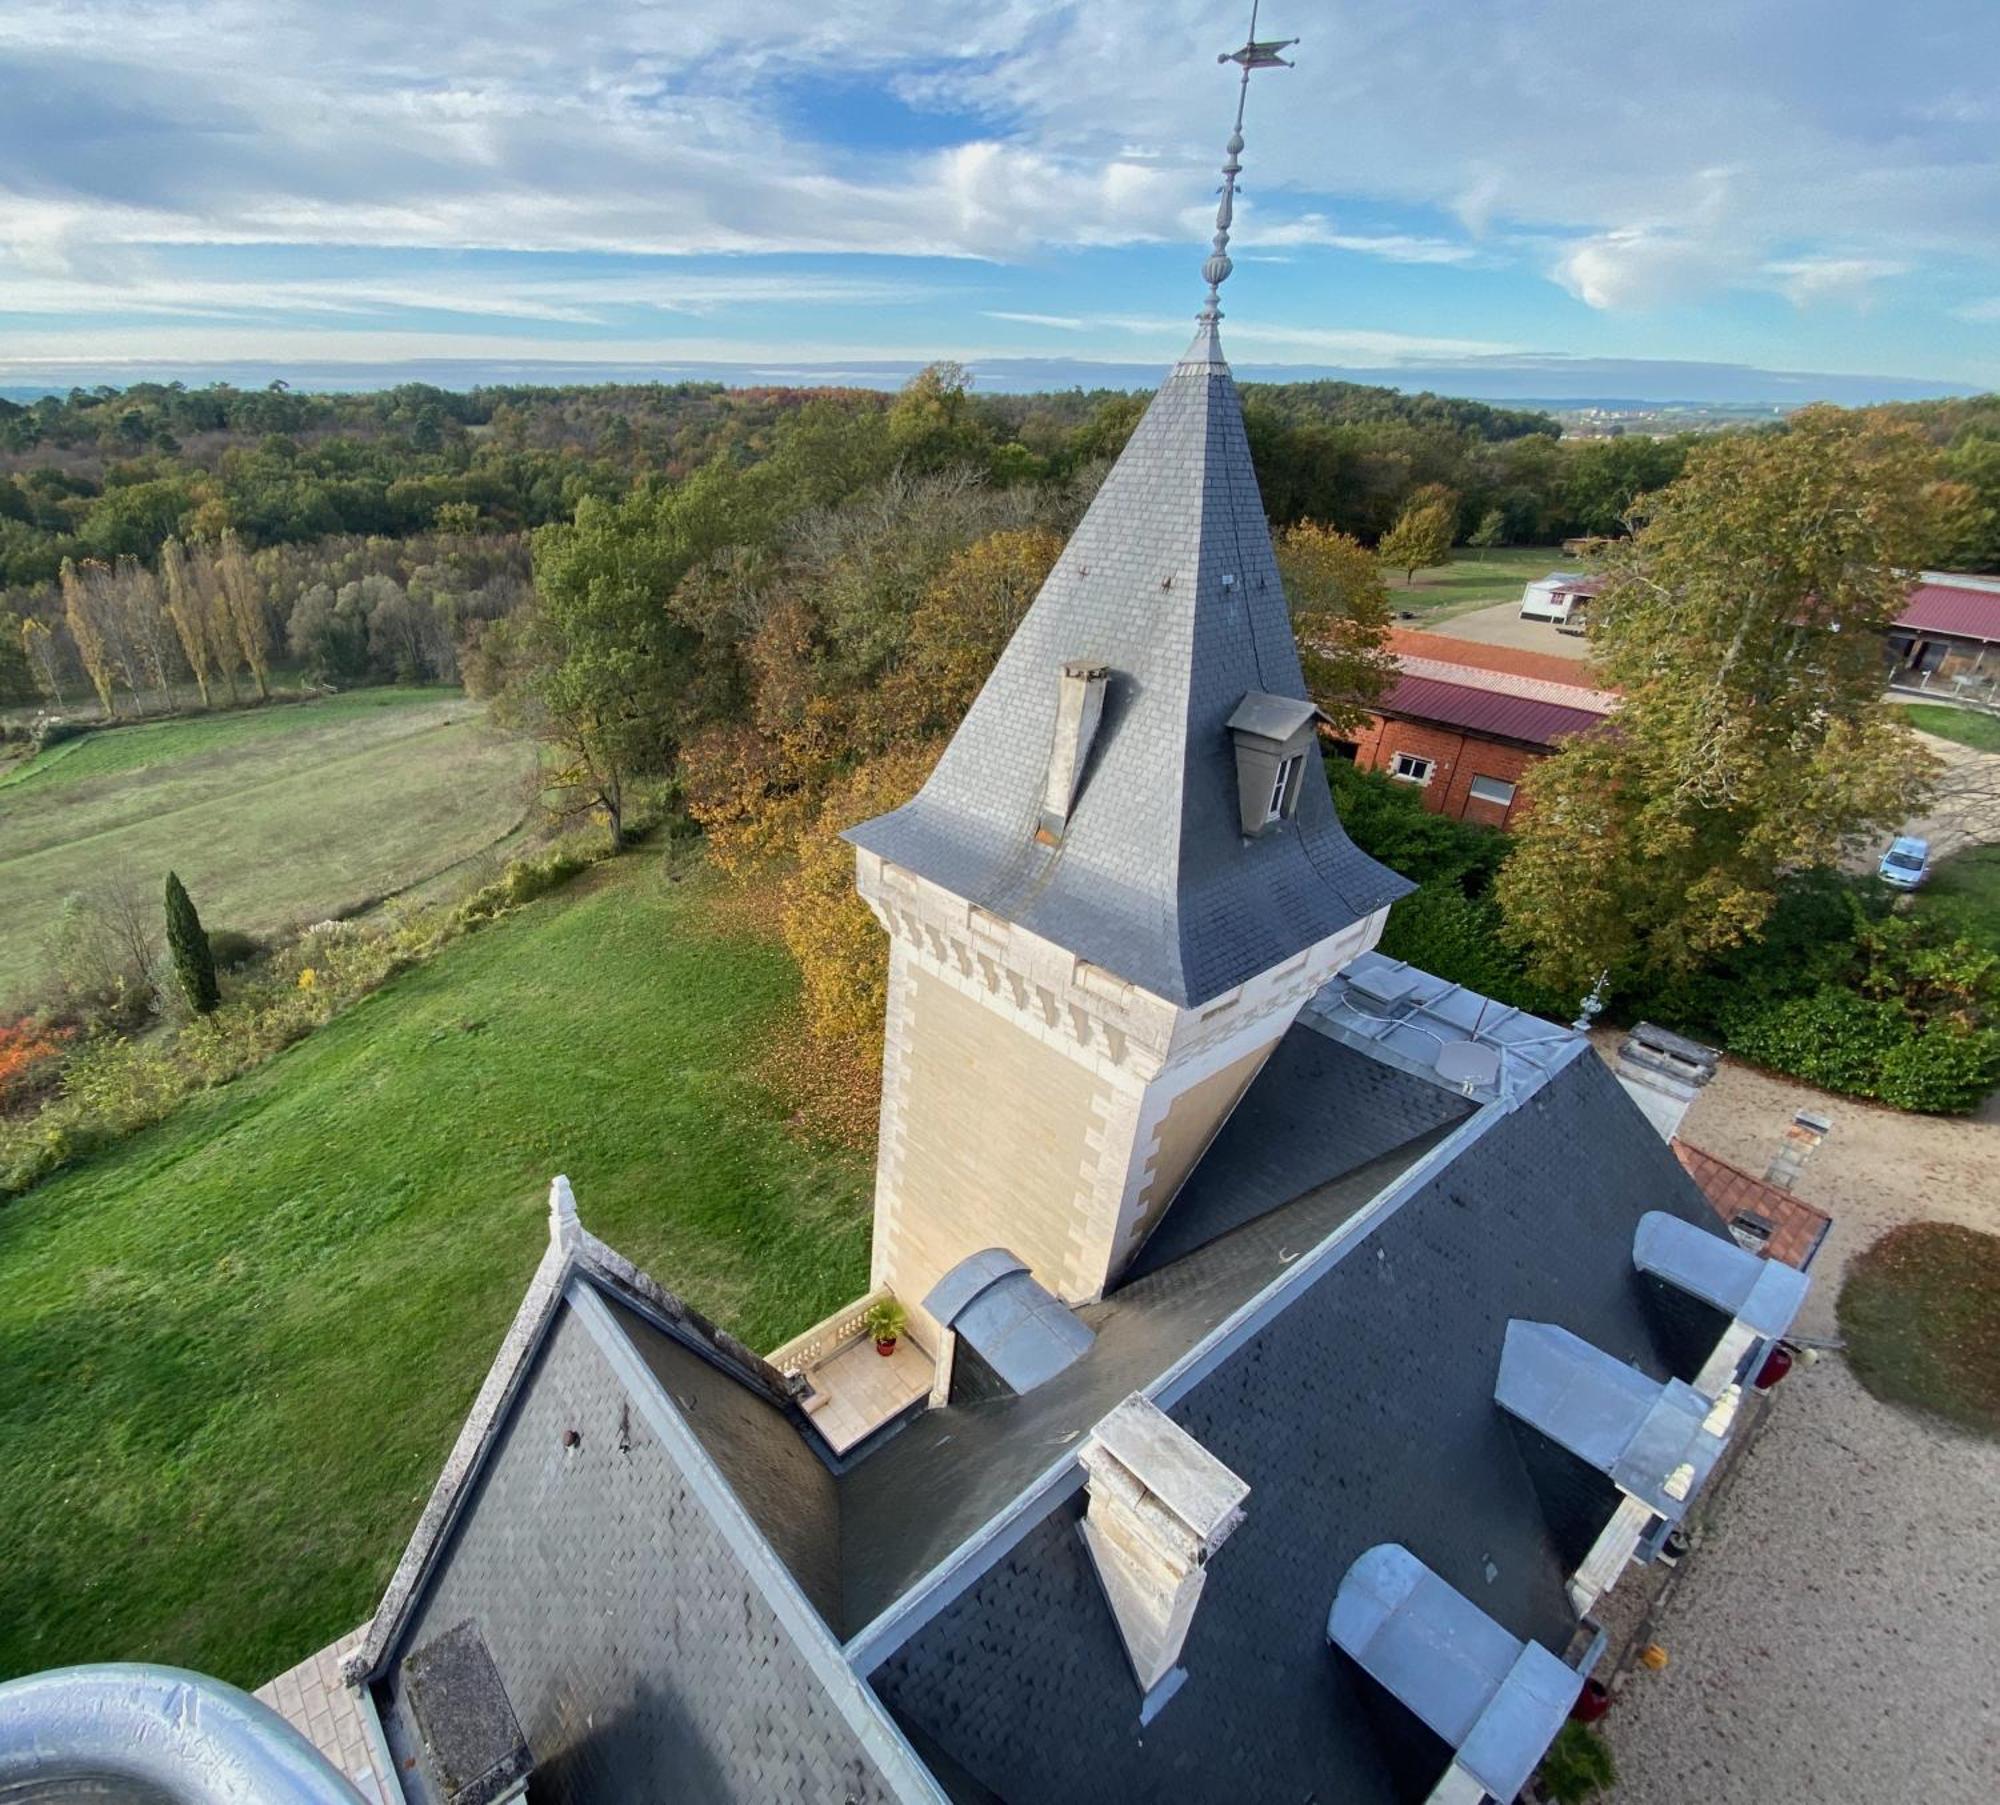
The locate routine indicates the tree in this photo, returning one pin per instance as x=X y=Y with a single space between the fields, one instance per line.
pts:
x=1340 y=614
x=1422 y=534
x=187 y=943
x=83 y=614
x=1491 y=530
x=932 y=425
x=593 y=668
x=38 y=641
x=243 y=608
x=187 y=608
x=1743 y=624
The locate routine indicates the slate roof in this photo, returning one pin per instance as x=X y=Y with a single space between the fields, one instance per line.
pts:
x=1170 y=581
x=1471 y=709
x=1964 y=610
x=1361 y=1412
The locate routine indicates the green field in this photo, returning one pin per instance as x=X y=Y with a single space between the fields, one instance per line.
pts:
x=1966 y=888
x=1476 y=579
x=271 y=816
x=236 y=1347
x=1968 y=728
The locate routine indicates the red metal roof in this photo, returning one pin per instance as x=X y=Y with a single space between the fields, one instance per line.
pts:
x=1946 y=608
x=1485 y=711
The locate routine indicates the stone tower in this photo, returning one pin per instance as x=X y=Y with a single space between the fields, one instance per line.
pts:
x=1120 y=883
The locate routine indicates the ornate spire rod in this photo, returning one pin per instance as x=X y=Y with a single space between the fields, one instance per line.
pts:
x=1253 y=55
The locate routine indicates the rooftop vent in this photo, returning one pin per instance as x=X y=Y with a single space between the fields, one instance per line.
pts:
x=1273 y=734
x=1592 y=1428
x=1383 y=988
x=1160 y=1506
x=471 y=1740
x=1493 y=1702
x=1079 y=711
x=1012 y=1335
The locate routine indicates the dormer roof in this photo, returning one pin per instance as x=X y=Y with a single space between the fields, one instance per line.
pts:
x=1170 y=584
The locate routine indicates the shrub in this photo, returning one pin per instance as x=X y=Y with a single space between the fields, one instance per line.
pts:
x=232 y=949
x=1578 y=1766
x=30 y=1060
x=1388 y=821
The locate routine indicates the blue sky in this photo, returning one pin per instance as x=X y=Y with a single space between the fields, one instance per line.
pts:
x=1789 y=184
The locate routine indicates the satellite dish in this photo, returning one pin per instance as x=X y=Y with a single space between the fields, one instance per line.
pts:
x=1470 y=1064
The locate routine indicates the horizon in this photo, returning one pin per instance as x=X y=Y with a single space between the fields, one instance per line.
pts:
x=1431 y=201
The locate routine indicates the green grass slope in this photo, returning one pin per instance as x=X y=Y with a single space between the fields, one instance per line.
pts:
x=270 y=816
x=1475 y=579
x=1979 y=731
x=234 y=1351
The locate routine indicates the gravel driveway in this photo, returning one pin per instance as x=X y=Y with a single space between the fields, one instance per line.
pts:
x=1836 y=1636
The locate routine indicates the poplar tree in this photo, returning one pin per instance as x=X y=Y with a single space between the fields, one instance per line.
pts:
x=187 y=942
x=87 y=630
x=188 y=610
x=244 y=602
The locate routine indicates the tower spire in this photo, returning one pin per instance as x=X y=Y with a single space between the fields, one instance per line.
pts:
x=1253 y=55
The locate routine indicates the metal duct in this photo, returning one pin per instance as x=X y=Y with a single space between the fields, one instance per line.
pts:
x=148 y=1735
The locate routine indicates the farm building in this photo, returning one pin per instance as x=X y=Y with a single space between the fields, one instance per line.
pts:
x=1947 y=639
x=1463 y=722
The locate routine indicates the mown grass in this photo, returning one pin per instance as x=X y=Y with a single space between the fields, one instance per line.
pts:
x=1966 y=888
x=236 y=1348
x=271 y=816
x=1921 y=1314
x=1979 y=731
x=1475 y=579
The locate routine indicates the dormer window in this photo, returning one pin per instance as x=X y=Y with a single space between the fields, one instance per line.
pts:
x=1272 y=735
x=1285 y=789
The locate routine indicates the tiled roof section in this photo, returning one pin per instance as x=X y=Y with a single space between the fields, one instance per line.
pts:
x=1361 y=1413
x=1797 y=1227
x=1546 y=667
x=1938 y=605
x=1169 y=581
x=1519 y=718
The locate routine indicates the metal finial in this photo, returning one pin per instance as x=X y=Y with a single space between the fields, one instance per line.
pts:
x=1253 y=55
x=1592 y=1006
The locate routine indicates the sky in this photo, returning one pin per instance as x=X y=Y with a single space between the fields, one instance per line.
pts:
x=1602 y=194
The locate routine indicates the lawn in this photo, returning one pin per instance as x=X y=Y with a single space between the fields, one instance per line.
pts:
x=1475 y=579
x=1921 y=1314
x=1979 y=731
x=271 y=816
x=1966 y=887
x=237 y=1347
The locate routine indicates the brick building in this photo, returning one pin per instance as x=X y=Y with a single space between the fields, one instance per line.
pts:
x=1464 y=722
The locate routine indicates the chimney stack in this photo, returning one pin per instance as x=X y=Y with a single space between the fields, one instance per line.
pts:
x=1160 y=1506
x=1663 y=1073
x=1801 y=1141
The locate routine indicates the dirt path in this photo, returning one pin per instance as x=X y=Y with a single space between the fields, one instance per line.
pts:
x=1834 y=1637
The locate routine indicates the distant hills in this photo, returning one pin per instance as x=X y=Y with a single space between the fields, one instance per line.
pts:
x=1614 y=385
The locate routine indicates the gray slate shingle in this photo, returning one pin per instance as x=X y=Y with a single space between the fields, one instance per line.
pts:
x=1153 y=879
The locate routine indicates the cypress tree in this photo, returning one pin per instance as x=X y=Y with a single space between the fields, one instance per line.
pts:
x=187 y=940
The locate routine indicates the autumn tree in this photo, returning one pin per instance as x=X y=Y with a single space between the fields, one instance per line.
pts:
x=187 y=608
x=1422 y=535
x=243 y=609
x=38 y=642
x=1743 y=625
x=1340 y=616
x=83 y=614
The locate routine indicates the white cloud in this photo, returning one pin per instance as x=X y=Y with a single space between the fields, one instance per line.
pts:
x=1980 y=311
x=1804 y=280
x=1061 y=321
x=1317 y=229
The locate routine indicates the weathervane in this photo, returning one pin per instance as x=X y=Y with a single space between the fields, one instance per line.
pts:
x=1253 y=55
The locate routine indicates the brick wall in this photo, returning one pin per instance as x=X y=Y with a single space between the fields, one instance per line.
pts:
x=1456 y=759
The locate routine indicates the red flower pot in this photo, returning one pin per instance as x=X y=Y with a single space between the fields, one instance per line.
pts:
x=1592 y=1702
x=1777 y=1363
x=885 y=1345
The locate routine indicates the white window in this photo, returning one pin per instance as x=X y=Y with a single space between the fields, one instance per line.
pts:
x=1491 y=789
x=1410 y=768
x=1285 y=787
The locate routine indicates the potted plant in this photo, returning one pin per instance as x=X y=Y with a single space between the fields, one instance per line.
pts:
x=1577 y=1767
x=884 y=1321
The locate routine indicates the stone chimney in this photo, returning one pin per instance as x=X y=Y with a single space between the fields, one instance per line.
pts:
x=1079 y=709
x=1160 y=1506
x=1801 y=1141
x=1663 y=1073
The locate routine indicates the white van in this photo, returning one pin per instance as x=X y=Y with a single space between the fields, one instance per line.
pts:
x=1557 y=597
